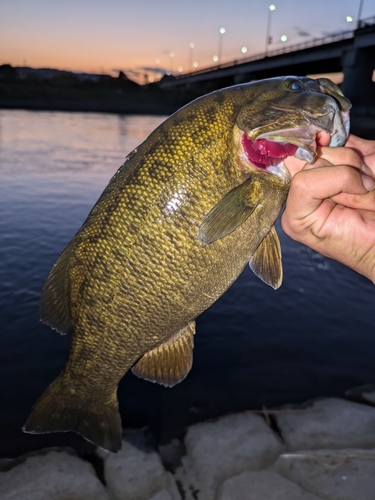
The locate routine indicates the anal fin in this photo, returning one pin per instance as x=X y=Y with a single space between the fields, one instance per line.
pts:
x=169 y=363
x=266 y=261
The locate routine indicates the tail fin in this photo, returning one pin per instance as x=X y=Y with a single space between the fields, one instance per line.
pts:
x=59 y=411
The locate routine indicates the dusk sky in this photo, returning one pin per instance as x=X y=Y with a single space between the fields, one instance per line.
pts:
x=108 y=35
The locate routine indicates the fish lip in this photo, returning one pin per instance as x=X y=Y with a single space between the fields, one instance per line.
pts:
x=322 y=122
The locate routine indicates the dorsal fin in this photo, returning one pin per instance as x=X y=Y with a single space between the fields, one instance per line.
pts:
x=54 y=302
x=169 y=363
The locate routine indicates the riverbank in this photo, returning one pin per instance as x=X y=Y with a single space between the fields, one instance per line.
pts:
x=112 y=95
x=323 y=450
x=66 y=92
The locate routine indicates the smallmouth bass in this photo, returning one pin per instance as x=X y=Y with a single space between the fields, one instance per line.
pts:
x=174 y=228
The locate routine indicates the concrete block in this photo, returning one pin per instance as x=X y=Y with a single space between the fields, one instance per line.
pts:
x=57 y=475
x=219 y=450
x=331 y=474
x=264 y=485
x=329 y=423
x=136 y=472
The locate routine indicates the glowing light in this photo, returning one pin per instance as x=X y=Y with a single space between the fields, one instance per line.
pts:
x=349 y=19
x=283 y=38
x=151 y=79
x=272 y=6
x=157 y=61
x=195 y=64
x=171 y=54
x=192 y=45
x=244 y=50
x=180 y=69
x=222 y=31
x=215 y=58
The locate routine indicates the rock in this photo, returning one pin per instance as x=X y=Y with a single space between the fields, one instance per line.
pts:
x=369 y=397
x=332 y=474
x=166 y=495
x=362 y=394
x=172 y=453
x=264 y=485
x=55 y=475
x=136 y=472
x=188 y=490
x=329 y=423
x=219 y=450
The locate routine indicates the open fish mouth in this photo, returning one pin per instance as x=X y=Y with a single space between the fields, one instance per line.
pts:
x=267 y=149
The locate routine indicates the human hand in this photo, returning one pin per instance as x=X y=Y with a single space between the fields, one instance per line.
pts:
x=331 y=206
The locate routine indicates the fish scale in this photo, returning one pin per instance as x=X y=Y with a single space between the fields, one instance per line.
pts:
x=172 y=231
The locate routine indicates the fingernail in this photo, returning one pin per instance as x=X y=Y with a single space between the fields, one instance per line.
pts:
x=368 y=183
x=366 y=170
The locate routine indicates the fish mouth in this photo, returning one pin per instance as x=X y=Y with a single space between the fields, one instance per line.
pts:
x=267 y=149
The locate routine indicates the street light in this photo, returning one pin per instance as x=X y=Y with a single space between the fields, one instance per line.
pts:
x=359 y=13
x=171 y=54
x=283 y=38
x=271 y=8
x=222 y=31
x=191 y=45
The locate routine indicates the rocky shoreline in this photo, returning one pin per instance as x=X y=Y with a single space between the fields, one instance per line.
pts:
x=322 y=450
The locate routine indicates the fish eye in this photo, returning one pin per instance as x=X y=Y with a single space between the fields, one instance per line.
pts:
x=295 y=85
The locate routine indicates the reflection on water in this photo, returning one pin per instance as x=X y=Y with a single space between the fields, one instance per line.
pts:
x=55 y=143
x=312 y=337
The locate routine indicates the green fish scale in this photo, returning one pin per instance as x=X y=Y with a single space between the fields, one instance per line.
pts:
x=134 y=258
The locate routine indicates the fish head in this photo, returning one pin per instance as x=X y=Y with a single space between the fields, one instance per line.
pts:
x=284 y=119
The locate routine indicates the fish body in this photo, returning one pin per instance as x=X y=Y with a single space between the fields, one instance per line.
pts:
x=174 y=228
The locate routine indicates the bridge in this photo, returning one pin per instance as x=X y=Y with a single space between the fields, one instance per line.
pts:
x=350 y=52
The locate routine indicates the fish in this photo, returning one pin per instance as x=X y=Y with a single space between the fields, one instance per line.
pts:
x=177 y=224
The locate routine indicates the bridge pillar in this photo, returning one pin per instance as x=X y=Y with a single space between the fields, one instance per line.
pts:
x=358 y=65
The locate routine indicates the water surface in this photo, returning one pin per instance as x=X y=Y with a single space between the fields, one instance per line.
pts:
x=313 y=337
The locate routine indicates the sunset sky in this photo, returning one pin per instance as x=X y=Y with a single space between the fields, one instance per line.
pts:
x=134 y=35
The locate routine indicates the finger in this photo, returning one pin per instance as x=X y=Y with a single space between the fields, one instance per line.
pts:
x=356 y=201
x=341 y=156
x=311 y=186
x=361 y=145
x=294 y=165
x=323 y=138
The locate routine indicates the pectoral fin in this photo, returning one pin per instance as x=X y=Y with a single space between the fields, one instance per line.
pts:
x=230 y=212
x=169 y=363
x=266 y=261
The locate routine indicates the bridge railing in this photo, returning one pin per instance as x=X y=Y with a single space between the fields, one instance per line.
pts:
x=337 y=37
x=363 y=23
